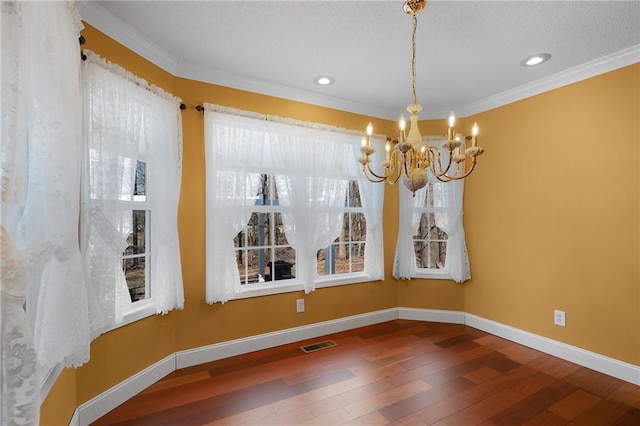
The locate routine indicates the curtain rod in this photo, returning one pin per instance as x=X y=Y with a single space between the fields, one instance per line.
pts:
x=277 y=119
x=99 y=61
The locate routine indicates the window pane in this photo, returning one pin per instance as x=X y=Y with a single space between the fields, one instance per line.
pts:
x=280 y=236
x=358 y=227
x=239 y=239
x=428 y=199
x=437 y=253
x=134 y=272
x=249 y=262
x=267 y=195
x=259 y=264
x=342 y=256
x=284 y=264
x=430 y=243
x=136 y=238
x=326 y=261
x=357 y=257
x=258 y=230
x=141 y=177
x=353 y=195
x=435 y=195
x=427 y=222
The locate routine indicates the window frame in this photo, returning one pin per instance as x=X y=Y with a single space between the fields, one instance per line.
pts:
x=273 y=207
x=224 y=132
x=431 y=273
x=348 y=277
x=140 y=202
x=144 y=307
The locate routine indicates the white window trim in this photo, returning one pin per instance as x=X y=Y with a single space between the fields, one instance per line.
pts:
x=433 y=274
x=139 y=310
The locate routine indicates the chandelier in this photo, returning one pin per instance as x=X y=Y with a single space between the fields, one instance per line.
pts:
x=408 y=156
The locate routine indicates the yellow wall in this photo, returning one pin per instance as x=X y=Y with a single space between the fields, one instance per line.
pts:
x=58 y=408
x=551 y=215
x=546 y=229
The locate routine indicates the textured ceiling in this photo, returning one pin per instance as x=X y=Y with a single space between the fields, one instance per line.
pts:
x=467 y=51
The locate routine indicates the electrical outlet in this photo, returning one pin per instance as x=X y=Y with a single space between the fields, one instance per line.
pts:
x=559 y=318
x=299 y=306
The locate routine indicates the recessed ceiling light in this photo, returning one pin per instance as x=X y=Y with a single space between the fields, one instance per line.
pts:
x=535 y=59
x=324 y=80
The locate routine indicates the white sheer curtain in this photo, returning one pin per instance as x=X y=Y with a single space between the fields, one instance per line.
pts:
x=313 y=189
x=234 y=153
x=312 y=165
x=126 y=121
x=450 y=221
x=41 y=149
x=404 y=263
x=372 y=199
x=164 y=157
x=448 y=208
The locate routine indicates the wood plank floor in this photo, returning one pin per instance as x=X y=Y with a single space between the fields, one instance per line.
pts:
x=399 y=372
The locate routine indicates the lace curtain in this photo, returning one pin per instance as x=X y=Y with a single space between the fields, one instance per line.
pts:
x=372 y=198
x=128 y=121
x=41 y=151
x=450 y=221
x=312 y=184
x=312 y=165
x=234 y=154
x=448 y=216
x=404 y=262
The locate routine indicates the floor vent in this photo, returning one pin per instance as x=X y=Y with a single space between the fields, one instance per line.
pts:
x=317 y=346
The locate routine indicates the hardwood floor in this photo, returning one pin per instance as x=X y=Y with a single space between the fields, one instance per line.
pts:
x=399 y=372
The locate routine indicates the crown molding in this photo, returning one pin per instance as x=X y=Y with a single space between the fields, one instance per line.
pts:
x=100 y=18
x=223 y=78
x=578 y=73
x=112 y=26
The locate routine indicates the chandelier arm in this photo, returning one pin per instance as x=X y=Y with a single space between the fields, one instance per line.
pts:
x=397 y=178
x=450 y=178
x=439 y=161
x=375 y=179
x=374 y=174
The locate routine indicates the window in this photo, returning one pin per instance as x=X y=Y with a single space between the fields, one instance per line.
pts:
x=346 y=254
x=286 y=209
x=131 y=186
x=430 y=241
x=262 y=251
x=136 y=256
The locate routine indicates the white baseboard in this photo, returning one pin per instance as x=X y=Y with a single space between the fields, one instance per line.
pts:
x=451 y=317
x=592 y=360
x=97 y=407
x=75 y=419
x=110 y=399
x=231 y=348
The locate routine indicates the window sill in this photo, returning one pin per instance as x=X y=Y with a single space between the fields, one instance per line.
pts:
x=140 y=310
x=337 y=280
x=434 y=274
x=268 y=289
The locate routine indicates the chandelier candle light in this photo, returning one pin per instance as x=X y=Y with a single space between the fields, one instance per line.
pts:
x=409 y=156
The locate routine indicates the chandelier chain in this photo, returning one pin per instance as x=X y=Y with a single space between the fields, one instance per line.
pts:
x=414 y=26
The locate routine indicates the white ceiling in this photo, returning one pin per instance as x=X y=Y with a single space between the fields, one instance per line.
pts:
x=468 y=52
